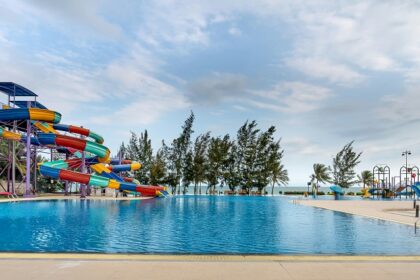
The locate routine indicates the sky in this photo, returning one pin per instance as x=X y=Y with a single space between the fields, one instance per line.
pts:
x=323 y=72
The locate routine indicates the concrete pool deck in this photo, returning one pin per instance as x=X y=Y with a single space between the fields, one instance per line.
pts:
x=397 y=211
x=104 y=267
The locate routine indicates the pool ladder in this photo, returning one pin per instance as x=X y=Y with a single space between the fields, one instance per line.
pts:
x=415 y=225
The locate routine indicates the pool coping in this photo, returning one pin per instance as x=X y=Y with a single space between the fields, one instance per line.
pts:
x=209 y=258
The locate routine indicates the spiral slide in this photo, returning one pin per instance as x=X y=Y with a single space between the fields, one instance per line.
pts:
x=97 y=155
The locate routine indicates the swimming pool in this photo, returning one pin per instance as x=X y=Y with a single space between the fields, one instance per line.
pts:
x=197 y=225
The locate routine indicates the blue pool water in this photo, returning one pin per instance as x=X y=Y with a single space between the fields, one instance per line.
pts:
x=191 y=224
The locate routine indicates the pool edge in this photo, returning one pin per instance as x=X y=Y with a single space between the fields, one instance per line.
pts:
x=214 y=258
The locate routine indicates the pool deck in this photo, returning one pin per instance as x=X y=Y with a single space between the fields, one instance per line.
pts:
x=397 y=211
x=104 y=267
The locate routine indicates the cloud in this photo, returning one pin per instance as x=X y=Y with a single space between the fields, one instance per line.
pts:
x=302 y=146
x=325 y=69
x=217 y=87
x=85 y=14
x=234 y=31
x=291 y=97
x=370 y=35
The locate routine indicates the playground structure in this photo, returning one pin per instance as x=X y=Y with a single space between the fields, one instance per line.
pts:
x=381 y=185
x=74 y=151
x=384 y=186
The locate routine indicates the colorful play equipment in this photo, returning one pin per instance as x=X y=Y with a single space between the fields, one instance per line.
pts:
x=381 y=186
x=29 y=122
x=337 y=191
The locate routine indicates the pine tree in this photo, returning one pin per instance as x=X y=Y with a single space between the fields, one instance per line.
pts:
x=343 y=166
x=199 y=160
x=178 y=151
x=158 y=170
x=145 y=157
x=247 y=150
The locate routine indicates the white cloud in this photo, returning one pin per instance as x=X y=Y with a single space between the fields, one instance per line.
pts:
x=302 y=146
x=291 y=97
x=325 y=69
x=234 y=31
x=85 y=14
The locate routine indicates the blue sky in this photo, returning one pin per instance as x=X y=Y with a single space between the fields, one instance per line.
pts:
x=323 y=72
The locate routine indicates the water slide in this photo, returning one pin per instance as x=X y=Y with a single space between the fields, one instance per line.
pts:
x=338 y=191
x=98 y=156
x=416 y=189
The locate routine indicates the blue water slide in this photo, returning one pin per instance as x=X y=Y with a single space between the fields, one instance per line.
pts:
x=337 y=189
x=416 y=189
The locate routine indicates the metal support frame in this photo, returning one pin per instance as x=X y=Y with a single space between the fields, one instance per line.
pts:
x=411 y=176
x=381 y=180
x=83 y=170
x=10 y=158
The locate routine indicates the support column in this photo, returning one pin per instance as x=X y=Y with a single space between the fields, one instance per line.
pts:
x=35 y=169
x=28 y=157
x=83 y=170
x=66 y=183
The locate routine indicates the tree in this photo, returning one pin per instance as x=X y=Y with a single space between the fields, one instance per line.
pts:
x=122 y=151
x=214 y=163
x=246 y=153
x=261 y=171
x=145 y=157
x=277 y=173
x=132 y=150
x=366 y=178
x=171 y=175
x=321 y=175
x=199 y=160
x=343 y=166
x=158 y=170
x=178 y=152
x=188 y=171
x=232 y=175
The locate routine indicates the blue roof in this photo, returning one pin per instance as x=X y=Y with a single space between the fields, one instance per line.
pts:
x=13 y=89
x=24 y=104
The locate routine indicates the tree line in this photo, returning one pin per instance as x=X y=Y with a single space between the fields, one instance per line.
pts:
x=252 y=160
x=342 y=172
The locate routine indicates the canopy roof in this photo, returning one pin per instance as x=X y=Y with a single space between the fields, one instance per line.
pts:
x=24 y=104
x=12 y=89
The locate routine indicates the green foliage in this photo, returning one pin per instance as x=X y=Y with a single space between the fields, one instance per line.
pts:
x=343 y=166
x=276 y=171
x=366 y=178
x=158 y=169
x=140 y=149
x=252 y=160
x=217 y=161
x=47 y=185
x=321 y=175
x=199 y=157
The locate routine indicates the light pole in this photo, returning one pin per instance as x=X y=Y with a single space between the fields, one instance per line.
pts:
x=406 y=153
